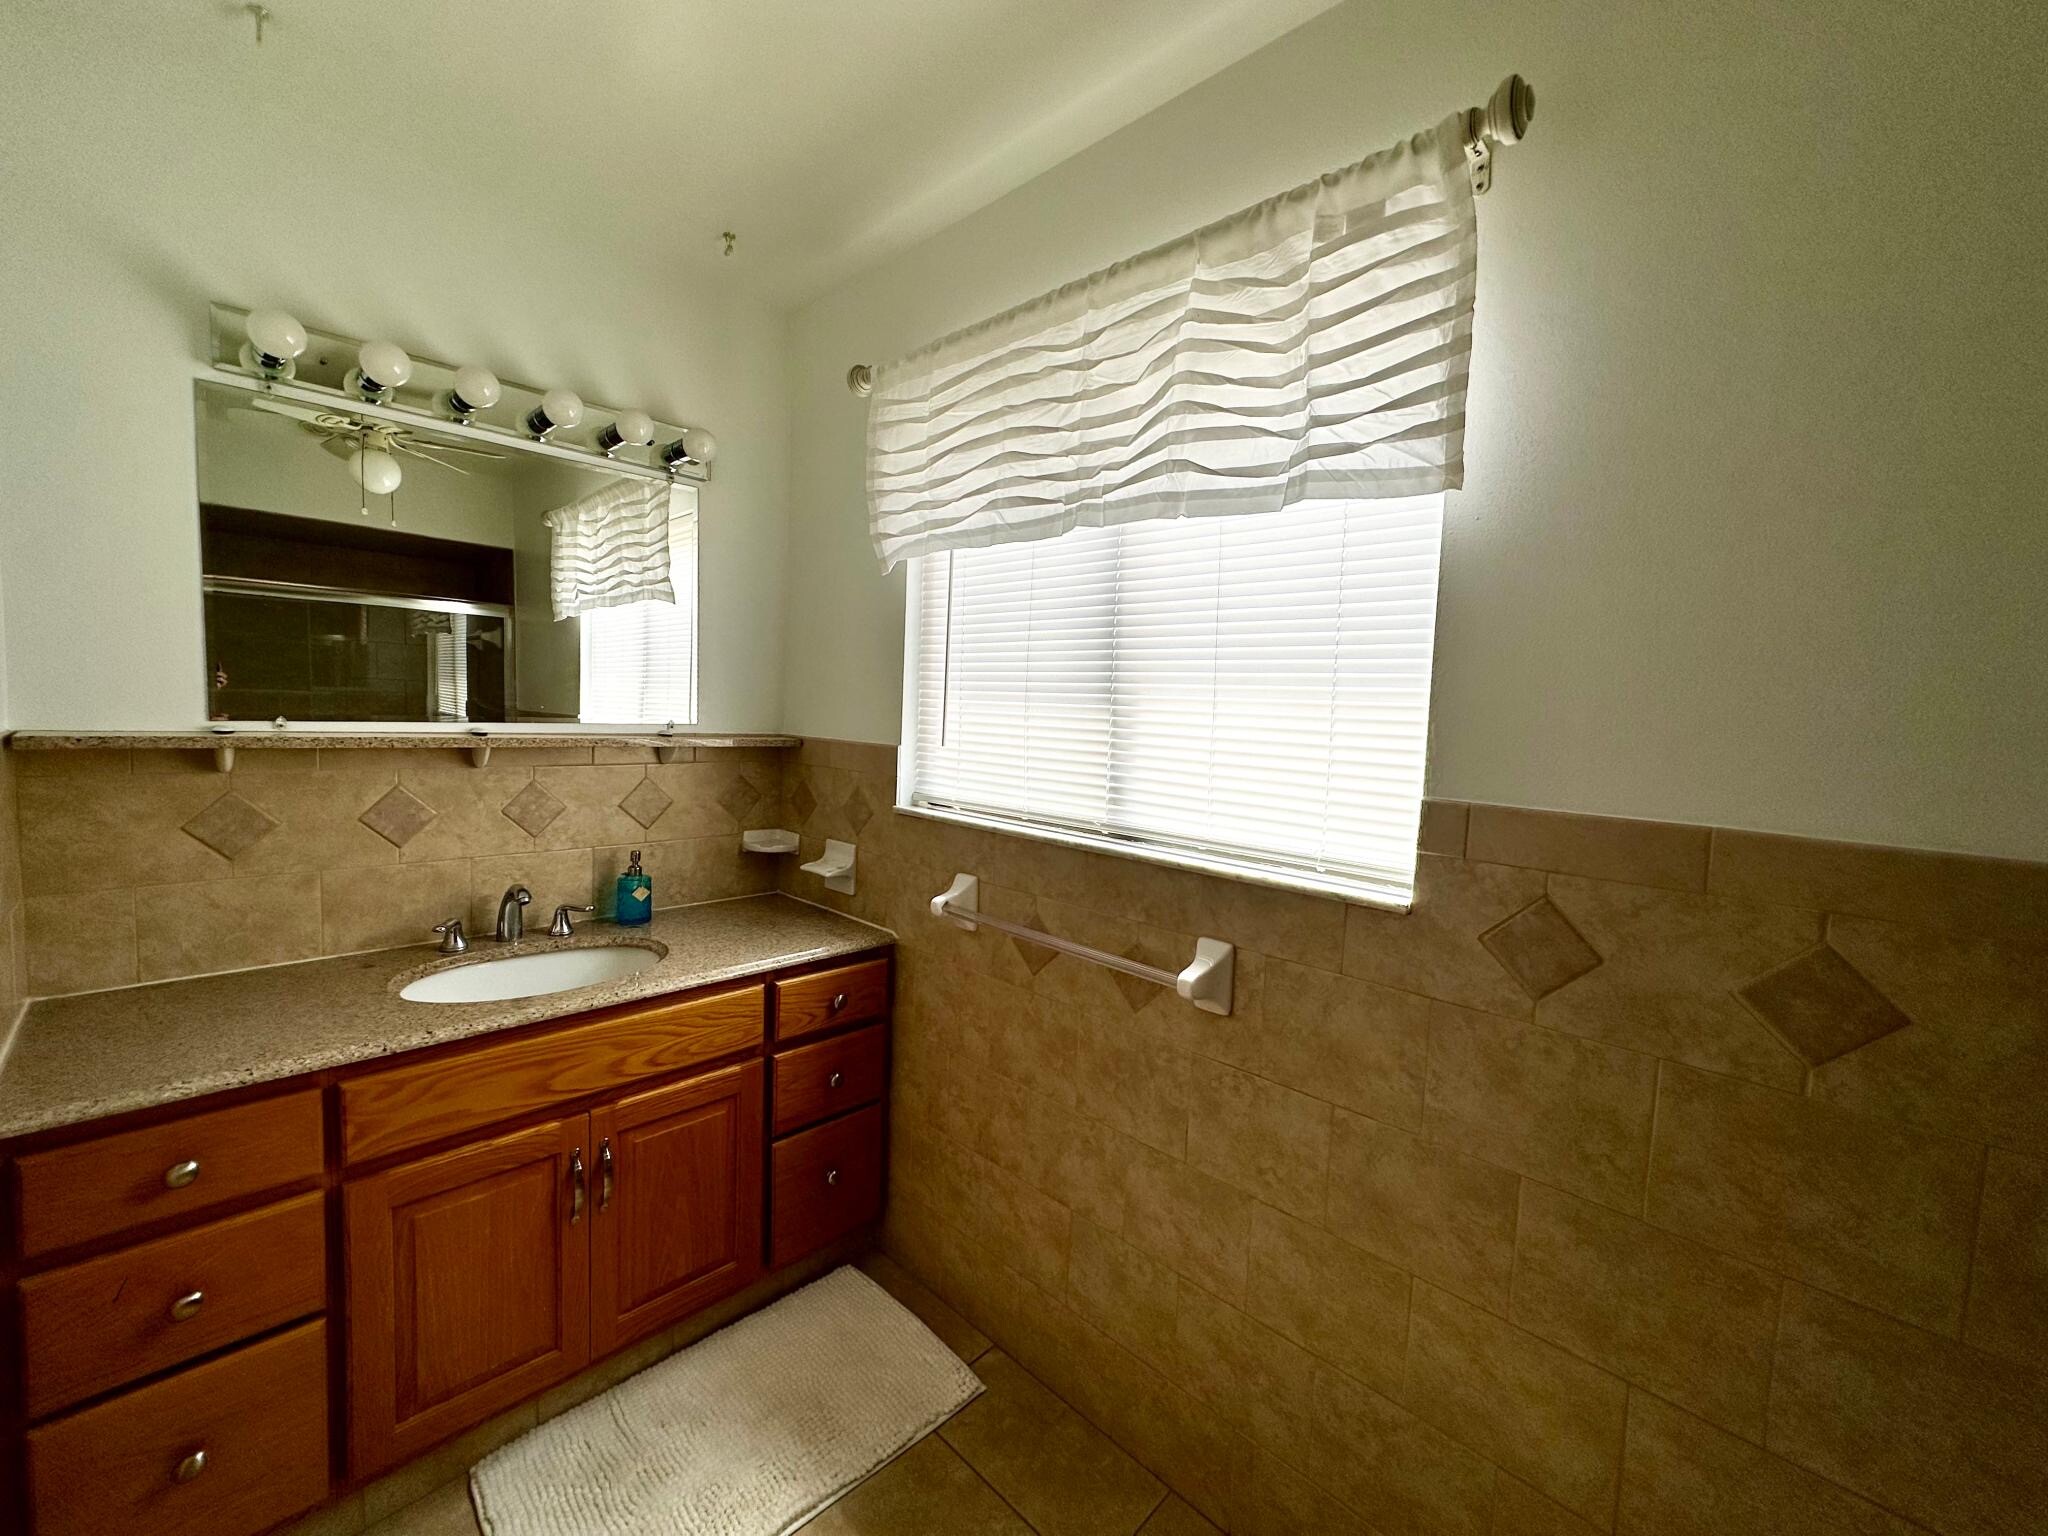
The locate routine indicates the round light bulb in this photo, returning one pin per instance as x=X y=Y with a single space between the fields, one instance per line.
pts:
x=375 y=470
x=635 y=427
x=383 y=364
x=700 y=445
x=563 y=407
x=476 y=389
x=275 y=334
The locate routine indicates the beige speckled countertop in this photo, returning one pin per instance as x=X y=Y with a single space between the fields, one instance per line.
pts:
x=104 y=1053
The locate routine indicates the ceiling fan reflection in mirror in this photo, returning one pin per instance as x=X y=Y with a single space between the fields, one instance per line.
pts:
x=370 y=449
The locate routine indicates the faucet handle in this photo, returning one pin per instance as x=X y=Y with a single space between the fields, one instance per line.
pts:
x=561 y=927
x=452 y=940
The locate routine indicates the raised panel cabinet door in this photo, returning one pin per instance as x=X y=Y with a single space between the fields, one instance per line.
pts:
x=677 y=1193
x=468 y=1286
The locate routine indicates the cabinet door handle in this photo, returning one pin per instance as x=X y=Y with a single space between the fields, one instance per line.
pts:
x=576 y=1186
x=832 y=1176
x=835 y=1080
x=187 y=1306
x=838 y=1001
x=178 y=1175
x=190 y=1467
x=604 y=1174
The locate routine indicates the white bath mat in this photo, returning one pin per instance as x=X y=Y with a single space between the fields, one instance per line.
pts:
x=747 y=1433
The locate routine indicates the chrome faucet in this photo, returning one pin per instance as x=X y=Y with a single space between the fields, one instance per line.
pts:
x=512 y=914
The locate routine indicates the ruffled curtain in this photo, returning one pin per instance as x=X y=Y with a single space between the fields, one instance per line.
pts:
x=610 y=548
x=1311 y=347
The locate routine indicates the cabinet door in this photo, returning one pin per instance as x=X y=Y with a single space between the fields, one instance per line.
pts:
x=468 y=1286
x=677 y=1191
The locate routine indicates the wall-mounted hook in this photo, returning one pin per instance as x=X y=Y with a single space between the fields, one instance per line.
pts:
x=260 y=14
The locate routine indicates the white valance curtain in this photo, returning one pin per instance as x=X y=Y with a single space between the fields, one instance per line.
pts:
x=1311 y=347
x=610 y=548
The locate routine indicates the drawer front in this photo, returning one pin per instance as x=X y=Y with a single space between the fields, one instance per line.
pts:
x=180 y=1168
x=853 y=994
x=92 y=1326
x=258 y=1417
x=826 y=1182
x=816 y=1082
x=410 y=1106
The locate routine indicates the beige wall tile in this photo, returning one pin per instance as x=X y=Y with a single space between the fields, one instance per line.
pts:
x=1348 y=1041
x=87 y=833
x=1975 y=1061
x=1671 y=963
x=1270 y=1498
x=1331 y=1298
x=1397 y=1471
x=1566 y=1111
x=1443 y=828
x=1198 y=1224
x=2008 y=1310
x=1131 y=1296
x=319 y=824
x=1682 y=1477
x=1666 y=1313
x=1434 y=948
x=1542 y=1413
x=1427 y=1209
x=1925 y=1426
x=1662 y=853
x=469 y=811
x=591 y=813
x=1519 y=1510
x=1867 y=1208
x=1131 y=1080
x=227 y=925
x=1250 y=1378
x=1267 y=1140
x=1540 y=948
x=1962 y=893
x=555 y=879
x=78 y=943
x=376 y=907
x=1035 y=1043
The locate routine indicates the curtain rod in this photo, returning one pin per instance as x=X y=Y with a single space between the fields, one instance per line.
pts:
x=1504 y=119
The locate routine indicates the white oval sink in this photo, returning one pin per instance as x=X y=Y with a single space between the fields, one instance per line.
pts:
x=554 y=970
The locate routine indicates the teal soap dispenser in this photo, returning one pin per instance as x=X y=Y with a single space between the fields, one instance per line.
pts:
x=635 y=902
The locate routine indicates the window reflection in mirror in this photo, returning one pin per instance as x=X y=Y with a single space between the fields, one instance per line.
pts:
x=327 y=599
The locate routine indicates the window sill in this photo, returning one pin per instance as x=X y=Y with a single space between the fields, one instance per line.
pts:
x=1348 y=892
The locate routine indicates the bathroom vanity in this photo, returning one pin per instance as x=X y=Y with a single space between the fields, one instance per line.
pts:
x=274 y=1233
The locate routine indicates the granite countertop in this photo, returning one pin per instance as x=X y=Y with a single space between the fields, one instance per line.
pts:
x=104 y=1053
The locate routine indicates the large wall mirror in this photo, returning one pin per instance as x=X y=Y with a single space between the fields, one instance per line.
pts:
x=357 y=571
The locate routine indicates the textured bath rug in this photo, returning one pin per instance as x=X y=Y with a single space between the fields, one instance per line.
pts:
x=747 y=1433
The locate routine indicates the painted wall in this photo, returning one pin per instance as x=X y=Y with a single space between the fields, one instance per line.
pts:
x=1752 y=528
x=165 y=161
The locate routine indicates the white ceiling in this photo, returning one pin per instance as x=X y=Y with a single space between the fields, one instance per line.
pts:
x=825 y=135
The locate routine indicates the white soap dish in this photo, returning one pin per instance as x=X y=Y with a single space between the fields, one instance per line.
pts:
x=768 y=840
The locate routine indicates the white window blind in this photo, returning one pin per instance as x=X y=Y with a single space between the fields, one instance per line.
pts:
x=640 y=659
x=1242 y=693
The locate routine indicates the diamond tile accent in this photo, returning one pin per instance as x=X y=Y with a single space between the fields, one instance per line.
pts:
x=398 y=817
x=1540 y=948
x=1036 y=957
x=1822 y=1006
x=1136 y=992
x=534 y=809
x=859 y=810
x=802 y=801
x=646 y=803
x=231 y=826
x=739 y=797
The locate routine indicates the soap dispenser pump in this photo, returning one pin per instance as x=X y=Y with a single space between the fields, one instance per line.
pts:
x=635 y=902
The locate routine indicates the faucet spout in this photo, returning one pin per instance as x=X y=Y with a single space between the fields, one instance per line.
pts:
x=512 y=914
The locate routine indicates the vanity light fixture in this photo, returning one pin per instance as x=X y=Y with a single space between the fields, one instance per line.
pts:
x=275 y=341
x=557 y=408
x=695 y=446
x=633 y=429
x=381 y=367
x=476 y=389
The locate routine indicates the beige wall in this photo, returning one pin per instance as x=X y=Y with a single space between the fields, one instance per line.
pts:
x=1646 y=1178
x=13 y=945
x=1751 y=530
x=148 y=865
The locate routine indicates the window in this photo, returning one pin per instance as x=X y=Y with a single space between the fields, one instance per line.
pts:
x=640 y=659
x=1245 y=694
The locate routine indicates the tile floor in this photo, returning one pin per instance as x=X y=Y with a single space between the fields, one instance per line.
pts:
x=1015 y=1461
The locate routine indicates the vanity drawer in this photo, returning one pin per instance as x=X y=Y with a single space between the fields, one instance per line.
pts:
x=410 y=1106
x=852 y=994
x=257 y=1416
x=816 y=1082
x=88 y=1327
x=826 y=1182
x=182 y=1167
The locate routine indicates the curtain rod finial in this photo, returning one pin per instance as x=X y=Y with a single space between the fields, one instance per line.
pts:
x=860 y=378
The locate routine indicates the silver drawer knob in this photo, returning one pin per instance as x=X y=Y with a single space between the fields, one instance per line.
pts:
x=832 y=1176
x=838 y=1001
x=190 y=1467
x=178 y=1175
x=835 y=1080
x=187 y=1306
